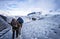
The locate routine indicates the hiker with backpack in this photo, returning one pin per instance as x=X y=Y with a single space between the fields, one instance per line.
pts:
x=20 y=20
x=16 y=26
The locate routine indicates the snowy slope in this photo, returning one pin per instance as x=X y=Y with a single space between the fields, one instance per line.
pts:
x=4 y=28
x=47 y=28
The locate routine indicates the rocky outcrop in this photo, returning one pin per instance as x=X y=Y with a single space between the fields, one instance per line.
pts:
x=4 y=27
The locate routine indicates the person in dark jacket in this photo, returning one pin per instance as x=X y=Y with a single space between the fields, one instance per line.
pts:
x=20 y=20
x=15 y=27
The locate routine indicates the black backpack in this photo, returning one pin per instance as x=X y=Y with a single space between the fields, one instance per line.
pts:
x=20 y=20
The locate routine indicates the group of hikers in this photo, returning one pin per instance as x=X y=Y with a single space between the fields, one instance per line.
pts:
x=16 y=27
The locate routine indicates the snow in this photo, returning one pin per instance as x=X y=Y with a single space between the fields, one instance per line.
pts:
x=38 y=29
x=4 y=28
x=46 y=28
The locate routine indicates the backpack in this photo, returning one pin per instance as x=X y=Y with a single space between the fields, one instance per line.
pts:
x=20 y=20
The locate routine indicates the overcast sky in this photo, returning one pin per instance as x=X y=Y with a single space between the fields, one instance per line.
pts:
x=23 y=7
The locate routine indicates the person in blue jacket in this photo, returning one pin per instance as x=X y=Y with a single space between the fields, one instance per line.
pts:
x=20 y=20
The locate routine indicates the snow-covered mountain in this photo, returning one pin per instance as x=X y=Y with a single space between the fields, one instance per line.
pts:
x=4 y=28
x=44 y=27
x=48 y=28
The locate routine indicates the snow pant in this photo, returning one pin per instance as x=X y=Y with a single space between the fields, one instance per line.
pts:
x=17 y=32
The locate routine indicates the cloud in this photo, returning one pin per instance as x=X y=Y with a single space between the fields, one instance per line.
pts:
x=27 y=6
x=4 y=13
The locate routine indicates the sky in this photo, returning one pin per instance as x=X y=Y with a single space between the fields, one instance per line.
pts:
x=24 y=7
